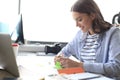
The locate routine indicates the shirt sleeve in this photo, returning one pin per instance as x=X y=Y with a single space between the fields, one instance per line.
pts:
x=72 y=47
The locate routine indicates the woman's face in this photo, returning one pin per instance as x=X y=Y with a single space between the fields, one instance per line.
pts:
x=84 y=21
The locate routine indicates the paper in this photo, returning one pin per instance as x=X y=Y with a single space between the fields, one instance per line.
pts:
x=80 y=76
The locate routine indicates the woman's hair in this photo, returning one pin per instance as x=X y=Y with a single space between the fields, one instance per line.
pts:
x=89 y=6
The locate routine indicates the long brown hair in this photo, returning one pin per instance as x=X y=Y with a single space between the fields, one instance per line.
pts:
x=89 y=6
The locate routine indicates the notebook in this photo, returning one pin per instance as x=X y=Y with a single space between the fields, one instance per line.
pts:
x=8 y=63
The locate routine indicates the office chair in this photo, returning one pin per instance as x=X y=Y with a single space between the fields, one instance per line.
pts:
x=116 y=17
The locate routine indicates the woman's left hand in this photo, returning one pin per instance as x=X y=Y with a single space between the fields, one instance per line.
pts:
x=69 y=63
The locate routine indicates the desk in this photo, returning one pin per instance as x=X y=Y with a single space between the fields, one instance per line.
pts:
x=37 y=67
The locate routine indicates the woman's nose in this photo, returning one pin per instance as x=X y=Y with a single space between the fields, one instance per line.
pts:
x=77 y=24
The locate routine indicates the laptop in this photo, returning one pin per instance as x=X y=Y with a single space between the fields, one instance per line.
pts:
x=8 y=63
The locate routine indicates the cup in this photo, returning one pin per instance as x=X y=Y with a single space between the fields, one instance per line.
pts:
x=15 y=48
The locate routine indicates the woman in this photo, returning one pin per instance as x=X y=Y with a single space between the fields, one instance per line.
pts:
x=96 y=45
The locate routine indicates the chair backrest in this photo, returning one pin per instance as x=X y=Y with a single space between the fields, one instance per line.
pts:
x=116 y=16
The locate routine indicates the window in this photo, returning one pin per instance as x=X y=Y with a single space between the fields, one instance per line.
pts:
x=48 y=20
x=51 y=20
x=8 y=15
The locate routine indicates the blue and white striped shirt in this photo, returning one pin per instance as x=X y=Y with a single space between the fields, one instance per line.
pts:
x=89 y=49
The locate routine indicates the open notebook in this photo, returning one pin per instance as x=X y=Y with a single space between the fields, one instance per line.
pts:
x=8 y=62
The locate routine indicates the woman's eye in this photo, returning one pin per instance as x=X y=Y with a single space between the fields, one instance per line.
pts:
x=79 y=20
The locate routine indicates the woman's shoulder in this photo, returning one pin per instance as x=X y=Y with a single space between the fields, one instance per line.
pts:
x=113 y=29
x=80 y=36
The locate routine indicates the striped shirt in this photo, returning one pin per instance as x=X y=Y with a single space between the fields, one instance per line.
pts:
x=89 y=49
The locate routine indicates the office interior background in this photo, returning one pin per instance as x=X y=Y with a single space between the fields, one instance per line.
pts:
x=48 y=20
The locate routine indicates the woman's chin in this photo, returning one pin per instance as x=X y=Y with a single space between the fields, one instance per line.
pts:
x=84 y=31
